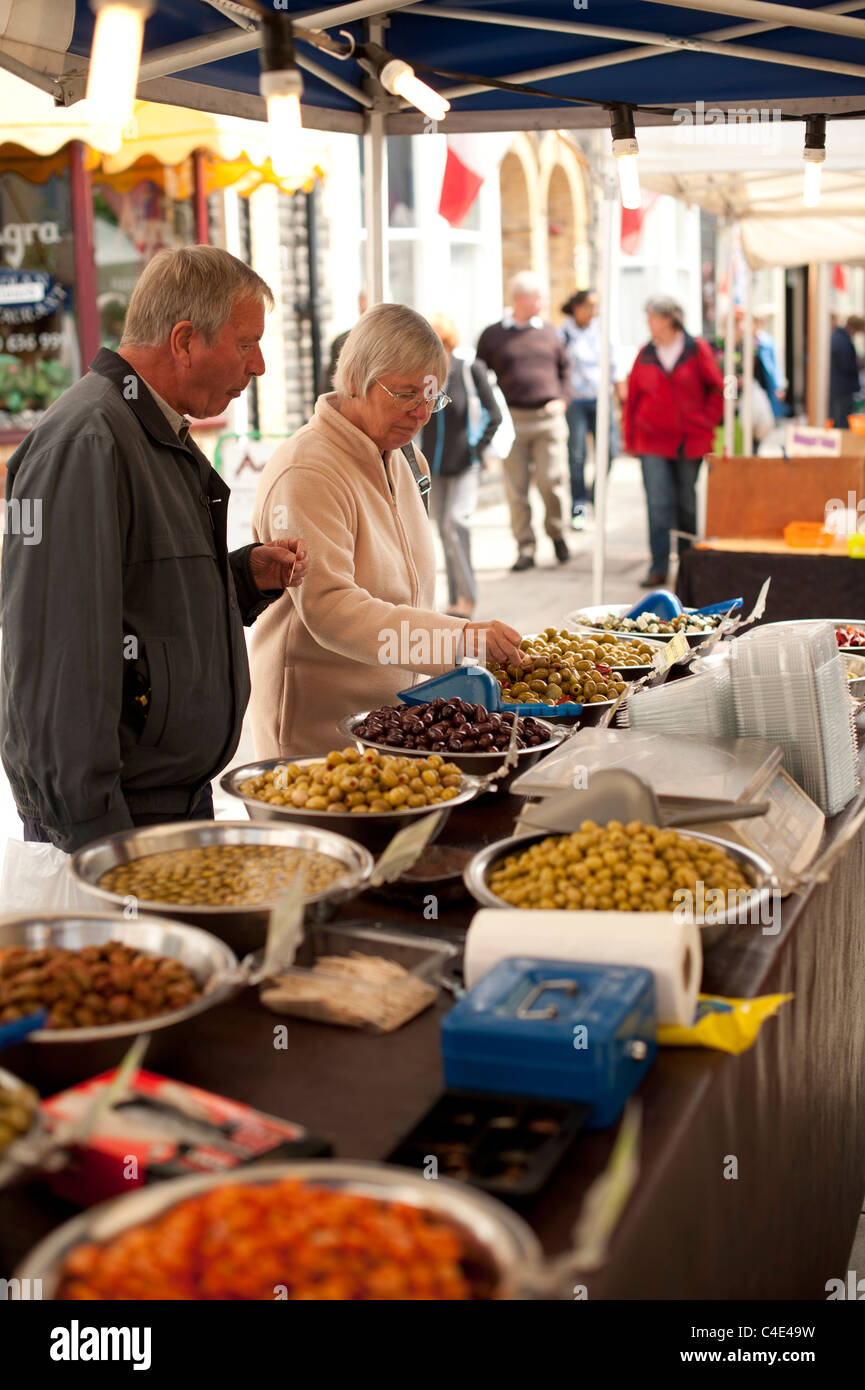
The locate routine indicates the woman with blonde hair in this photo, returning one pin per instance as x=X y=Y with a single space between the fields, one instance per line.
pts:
x=455 y=441
x=362 y=627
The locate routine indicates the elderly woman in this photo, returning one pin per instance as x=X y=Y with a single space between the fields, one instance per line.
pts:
x=675 y=400
x=362 y=627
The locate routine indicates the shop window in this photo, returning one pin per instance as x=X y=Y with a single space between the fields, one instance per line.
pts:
x=39 y=354
x=134 y=216
x=400 y=182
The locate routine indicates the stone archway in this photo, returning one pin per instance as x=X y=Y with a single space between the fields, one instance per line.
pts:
x=516 y=219
x=561 y=239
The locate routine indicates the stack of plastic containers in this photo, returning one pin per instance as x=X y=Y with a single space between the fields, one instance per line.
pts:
x=790 y=685
x=701 y=707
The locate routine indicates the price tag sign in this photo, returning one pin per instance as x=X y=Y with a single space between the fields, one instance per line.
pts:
x=405 y=849
x=285 y=929
x=511 y=755
x=674 y=650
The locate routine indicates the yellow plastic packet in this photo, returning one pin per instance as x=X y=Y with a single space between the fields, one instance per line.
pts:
x=729 y=1025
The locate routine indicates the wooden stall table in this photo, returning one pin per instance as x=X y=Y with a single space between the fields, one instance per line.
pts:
x=789 y=1110
x=812 y=583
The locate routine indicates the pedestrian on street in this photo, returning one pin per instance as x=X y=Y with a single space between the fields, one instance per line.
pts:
x=675 y=401
x=454 y=442
x=124 y=671
x=530 y=362
x=581 y=333
x=844 y=380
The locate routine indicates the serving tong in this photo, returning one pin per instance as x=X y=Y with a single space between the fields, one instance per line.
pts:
x=616 y=794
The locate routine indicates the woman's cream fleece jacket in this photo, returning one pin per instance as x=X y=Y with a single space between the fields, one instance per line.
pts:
x=327 y=648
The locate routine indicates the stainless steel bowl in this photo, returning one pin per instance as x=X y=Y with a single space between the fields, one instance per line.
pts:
x=597 y=611
x=375 y=829
x=478 y=764
x=62 y=1056
x=8 y=1169
x=244 y=928
x=494 y=1237
x=756 y=869
x=855 y=666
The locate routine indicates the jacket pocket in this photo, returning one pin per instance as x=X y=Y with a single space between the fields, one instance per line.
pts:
x=156 y=656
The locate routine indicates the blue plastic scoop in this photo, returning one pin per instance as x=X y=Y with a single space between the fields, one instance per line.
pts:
x=666 y=606
x=13 y=1032
x=479 y=687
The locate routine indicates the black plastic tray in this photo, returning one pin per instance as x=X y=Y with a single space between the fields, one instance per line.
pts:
x=507 y=1145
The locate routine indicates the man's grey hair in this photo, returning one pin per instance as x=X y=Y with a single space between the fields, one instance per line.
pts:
x=526 y=282
x=668 y=308
x=196 y=283
x=389 y=338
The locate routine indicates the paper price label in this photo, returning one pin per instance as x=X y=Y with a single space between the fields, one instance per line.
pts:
x=674 y=650
x=405 y=849
x=285 y=928
x=511 y=757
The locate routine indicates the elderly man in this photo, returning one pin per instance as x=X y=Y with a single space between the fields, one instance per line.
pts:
x=530 y=362
x=124 y=672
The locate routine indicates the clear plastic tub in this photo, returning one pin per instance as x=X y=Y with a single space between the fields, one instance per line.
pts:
x=323 y=987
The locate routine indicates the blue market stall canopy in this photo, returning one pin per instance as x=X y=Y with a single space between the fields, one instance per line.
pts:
x=568 y=58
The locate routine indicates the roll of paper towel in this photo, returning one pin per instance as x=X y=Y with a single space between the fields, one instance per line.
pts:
x=655 y=940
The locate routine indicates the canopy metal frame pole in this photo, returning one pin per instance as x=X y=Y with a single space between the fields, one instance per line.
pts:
x=607 y=191
x=375 y=193
x=784 y=16
x=748 y=367
x=730 y=388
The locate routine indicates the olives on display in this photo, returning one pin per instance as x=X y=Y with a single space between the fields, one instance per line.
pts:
x=654 y=626
x=18 y=1106
x=561 y=666
x=631 y=868
x=448 y=726
x=93 y=986
x=359 y=783
x=221 y=875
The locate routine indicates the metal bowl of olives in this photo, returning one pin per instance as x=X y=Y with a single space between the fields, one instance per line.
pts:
x=479 y=763
x=243 y=927
x=697 y=629
x=20 y=1118
x=59 y=1057
x=373 y=829
x=751 y=907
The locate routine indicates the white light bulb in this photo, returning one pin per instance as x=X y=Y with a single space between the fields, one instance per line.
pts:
x=629 y=180
x=813 y=179
x=114 y=61
x=400 y=80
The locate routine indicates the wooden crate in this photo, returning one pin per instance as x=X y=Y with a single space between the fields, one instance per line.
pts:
x=752 y=497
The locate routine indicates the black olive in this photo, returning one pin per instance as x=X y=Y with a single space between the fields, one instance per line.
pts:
x=455 y=744
x=439 y=746
x=469 y=745
x=447 y=712
x=427 y=718
x=535 y=740
x=485 y=741
x=396 y=738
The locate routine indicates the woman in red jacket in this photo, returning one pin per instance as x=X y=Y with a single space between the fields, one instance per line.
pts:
x=675 y=400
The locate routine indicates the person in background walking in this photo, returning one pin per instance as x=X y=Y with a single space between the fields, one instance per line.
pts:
x=325 y=381
x=529 y=360
x=844 y=381
x=675 y=400
x=581 y=333
x=454 y=443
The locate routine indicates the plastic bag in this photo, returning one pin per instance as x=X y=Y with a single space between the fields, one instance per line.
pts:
x=37 y=878
x=729 y=1025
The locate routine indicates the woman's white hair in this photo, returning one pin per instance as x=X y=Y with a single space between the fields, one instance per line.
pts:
x=667 y=308
x=195 y=283
x=388 y=338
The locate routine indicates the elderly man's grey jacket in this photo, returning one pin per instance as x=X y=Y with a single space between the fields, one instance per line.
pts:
x=124 y=674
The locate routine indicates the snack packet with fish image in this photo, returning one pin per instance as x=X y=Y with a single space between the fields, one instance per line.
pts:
x=729 y=1025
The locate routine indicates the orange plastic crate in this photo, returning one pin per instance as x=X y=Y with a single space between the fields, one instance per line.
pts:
x=806 y=535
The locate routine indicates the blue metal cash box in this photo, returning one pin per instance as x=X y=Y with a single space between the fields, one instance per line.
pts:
x=556 y=1029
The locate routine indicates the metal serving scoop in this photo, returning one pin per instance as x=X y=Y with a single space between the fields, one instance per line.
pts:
x=615 y=794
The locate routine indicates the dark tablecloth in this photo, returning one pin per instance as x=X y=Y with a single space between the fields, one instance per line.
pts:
x=791 y=1110
x=803 y=586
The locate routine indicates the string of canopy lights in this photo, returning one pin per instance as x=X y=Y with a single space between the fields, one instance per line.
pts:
x=116 y=56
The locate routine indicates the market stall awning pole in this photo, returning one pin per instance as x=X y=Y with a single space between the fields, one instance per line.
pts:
x=729 y=334
x=81 y=201
x=789 y=16
x=233 y=245
x=823 y=344
x=748 y=368
x=606 y=211
x=375 y=193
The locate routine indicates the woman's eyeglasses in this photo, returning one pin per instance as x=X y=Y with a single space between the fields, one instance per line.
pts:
x=410 y=400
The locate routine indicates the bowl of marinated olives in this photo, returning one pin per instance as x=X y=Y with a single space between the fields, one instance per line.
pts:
x=20 y=1118
x=697 y=627
x=471 y=737
x=628 y=867
x=223 y=876
x=132 y=975
x=362 y=793
x=561 y=667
